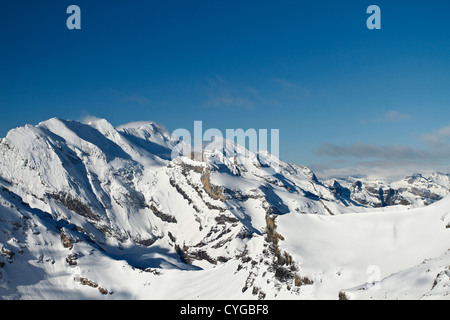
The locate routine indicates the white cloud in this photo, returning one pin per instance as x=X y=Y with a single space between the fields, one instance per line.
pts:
x=390 y=116
x=396 y=116
x=89 y=118
x=362 y=150
x=137 y=99
x=437 y=138
x=385 y=170
x=227 y=99
x=293 y=88
x=125 y=97
x=221 y=93
x=387 y=160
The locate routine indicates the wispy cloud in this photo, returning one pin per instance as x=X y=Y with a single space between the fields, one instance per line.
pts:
x=273 y=92
x=222 y=93
x=383 y=169
x=437 y=138
x=388 y=160
x=396 y=116
x=362 y=150
x=125 y=97
x=137 y=99
x=292 y=87
x=389 y=117
x=227 y=99
x=87 y=118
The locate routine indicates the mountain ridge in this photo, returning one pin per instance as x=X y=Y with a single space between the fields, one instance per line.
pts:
x=114 y=196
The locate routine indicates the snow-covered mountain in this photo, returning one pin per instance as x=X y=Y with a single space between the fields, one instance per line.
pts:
x=417 y=190
x=94 y=211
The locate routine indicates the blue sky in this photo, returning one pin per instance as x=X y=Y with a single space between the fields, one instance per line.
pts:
x=343 y=96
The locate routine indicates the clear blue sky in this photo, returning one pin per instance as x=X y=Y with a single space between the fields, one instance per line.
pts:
x=341 y=95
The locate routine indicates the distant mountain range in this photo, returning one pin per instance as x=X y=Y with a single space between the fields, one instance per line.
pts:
x=417 y=190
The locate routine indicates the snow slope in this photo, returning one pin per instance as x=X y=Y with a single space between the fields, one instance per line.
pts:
x=349 y=250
